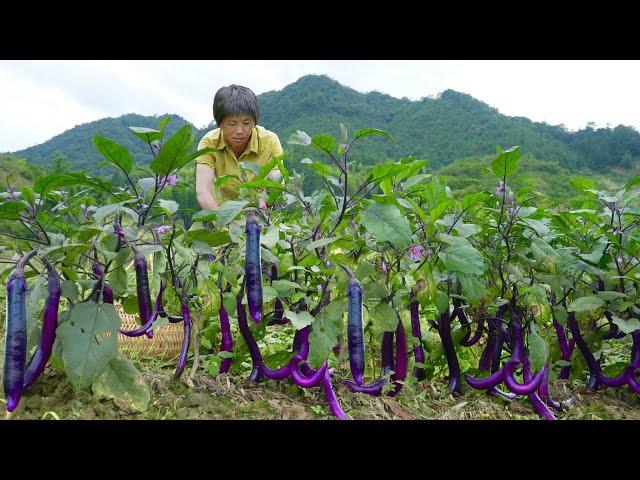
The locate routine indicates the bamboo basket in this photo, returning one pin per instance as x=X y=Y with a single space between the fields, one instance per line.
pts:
x=166 y=342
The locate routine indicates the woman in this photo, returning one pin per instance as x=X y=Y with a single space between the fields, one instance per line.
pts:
x=238 y=139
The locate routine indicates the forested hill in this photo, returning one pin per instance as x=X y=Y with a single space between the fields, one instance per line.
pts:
x=454 y=125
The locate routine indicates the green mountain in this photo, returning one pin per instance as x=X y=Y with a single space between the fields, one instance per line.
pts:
x=451 y=126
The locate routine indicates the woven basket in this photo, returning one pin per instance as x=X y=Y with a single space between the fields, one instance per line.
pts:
x=166 y=342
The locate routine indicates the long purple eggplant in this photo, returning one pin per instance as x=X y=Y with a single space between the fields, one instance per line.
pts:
x=227 y=339
x=49 y=324
x=375 y=388
x=254 y=350
x=186 y=340
x=418 y=351
x=355 y=332
x=142 y=289
x=253 y=268
x=592 y=364
x=15 y=353
x=401 y=366
x=535 y=399
x=444 y=330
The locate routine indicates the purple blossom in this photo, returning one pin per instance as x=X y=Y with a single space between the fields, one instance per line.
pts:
x=161 y=229
x=120 y=234
x=510 y=211
x=384 y=267
x=415 y=252
x=501 y=189
x=352 y=225
x=170 y=180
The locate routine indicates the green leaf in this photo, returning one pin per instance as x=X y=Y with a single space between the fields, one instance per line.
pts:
x=324 y=142
x=471 y=199
x=385 y=317
x=386 y=223
x=626 y=326
x=365 y=132
x=123 y=383
x=116 y=154
x=299 y=138
x=89 y=341
x=170 y=206
x=146 y=134
x=264 y=183
x=326 y=327
x=69 y=289
x=11 y=210
x=146 y=184
x=285 y=286
x=608 y=296
x=582 y=304
x=506 y=163
x=268 y=293
x=174 y=152
x=253 y=167
x=365 y=269
x=205 y=216
x=632 y=183
x=414 y=180
x=462 y=259
x=579 y=184
x=472 y=287
x=560 y=314
x=374 y=290
x=320 y=243
x=299 y=320
x=70 y=250
x=538 y=349
x=229 y=302
x=270 y=238
x=442 y=301
x=229 y=210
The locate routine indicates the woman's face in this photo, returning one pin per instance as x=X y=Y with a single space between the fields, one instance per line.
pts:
x=237 y=130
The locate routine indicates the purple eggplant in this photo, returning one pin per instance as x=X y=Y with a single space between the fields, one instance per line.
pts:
x=418 y=350
x=143 y=291
x=254 y=350
x=401 y=365
x=186 y=340
x=444 y=330
x=355 y=332
x=253 y=269
x=15 y=352
x=49 y=325
x=227 y=339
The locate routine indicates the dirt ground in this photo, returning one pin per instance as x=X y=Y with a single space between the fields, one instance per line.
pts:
x=231 y=397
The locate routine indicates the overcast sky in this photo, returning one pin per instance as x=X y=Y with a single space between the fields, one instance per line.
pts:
x=40 y=99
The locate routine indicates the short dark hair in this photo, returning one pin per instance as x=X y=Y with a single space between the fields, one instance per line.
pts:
x=235 y=100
